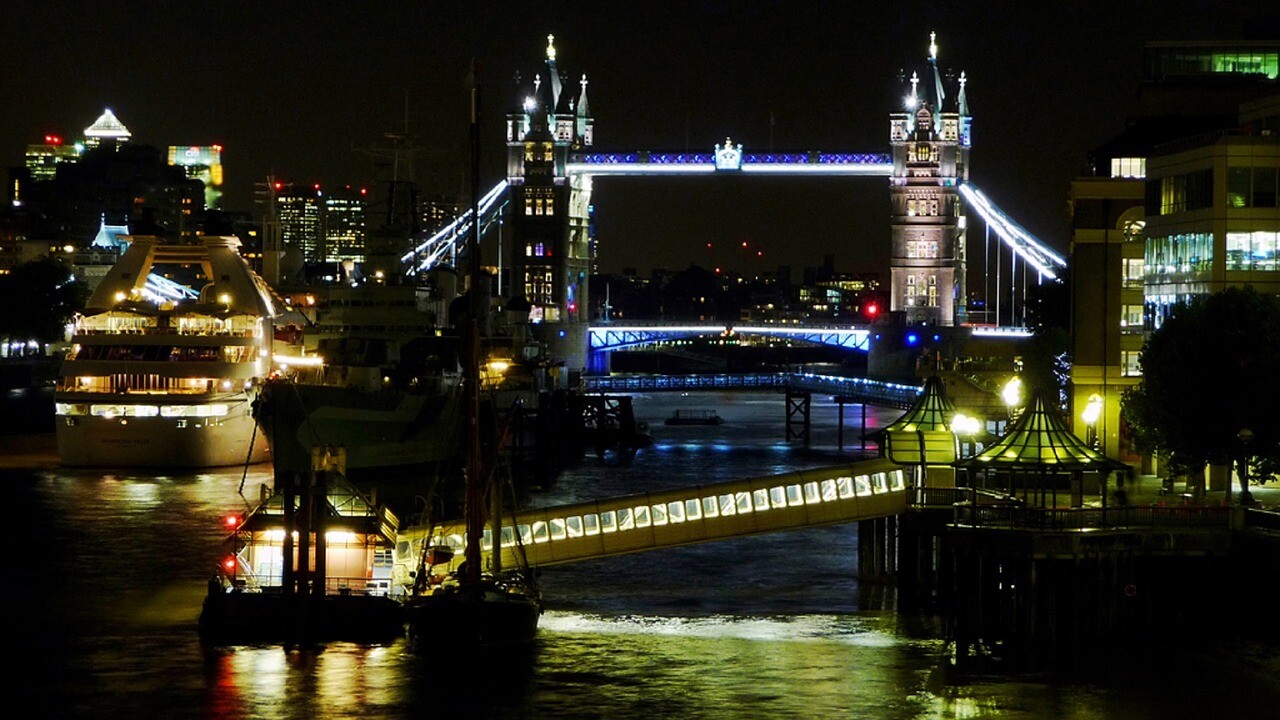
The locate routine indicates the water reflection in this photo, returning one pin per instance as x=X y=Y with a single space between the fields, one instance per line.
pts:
x=111 y=570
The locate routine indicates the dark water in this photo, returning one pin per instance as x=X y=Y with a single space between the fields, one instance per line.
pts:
x=109 y=569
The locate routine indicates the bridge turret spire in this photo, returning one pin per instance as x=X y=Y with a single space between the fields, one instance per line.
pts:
x=963 y=99
x=582 y=98
x=939 y=94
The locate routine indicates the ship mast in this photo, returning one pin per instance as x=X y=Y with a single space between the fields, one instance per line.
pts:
x=474 y=472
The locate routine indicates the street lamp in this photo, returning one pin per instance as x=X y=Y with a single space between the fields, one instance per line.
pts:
x=1012 y=396
x=1092 y=410
x=966 y=427
x=1245 y=436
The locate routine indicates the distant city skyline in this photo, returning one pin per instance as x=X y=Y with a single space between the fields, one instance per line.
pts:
x=296 y=91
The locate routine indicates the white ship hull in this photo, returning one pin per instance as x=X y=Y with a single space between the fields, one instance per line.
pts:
x=167 y=380
x=96 y=441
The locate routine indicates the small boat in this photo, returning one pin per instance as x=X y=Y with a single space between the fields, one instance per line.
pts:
x=694 y=417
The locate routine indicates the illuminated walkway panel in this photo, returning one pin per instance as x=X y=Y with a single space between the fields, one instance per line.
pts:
x=672 y=518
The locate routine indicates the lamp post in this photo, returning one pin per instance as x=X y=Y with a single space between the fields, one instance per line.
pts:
x=1092 y=410
x=1245 y=436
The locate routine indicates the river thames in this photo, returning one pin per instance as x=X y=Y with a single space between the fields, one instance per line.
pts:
x=111 y=569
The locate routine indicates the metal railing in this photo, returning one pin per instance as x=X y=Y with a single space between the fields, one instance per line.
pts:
x=1031 y=518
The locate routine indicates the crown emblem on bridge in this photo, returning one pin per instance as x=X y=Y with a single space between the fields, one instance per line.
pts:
x=728 y=156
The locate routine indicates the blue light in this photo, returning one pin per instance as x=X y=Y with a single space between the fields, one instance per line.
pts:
x=561 y=333
x=912 y=338
x=936 y=338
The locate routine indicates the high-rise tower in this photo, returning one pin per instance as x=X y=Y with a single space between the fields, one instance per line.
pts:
x=550 y=215
x=930 y=142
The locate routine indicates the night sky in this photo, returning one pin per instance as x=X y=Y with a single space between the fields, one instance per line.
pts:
x=294 y=89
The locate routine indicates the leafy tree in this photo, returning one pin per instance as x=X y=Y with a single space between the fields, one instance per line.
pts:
x=42 y=296
x=1208 y=373
x=1046 y=356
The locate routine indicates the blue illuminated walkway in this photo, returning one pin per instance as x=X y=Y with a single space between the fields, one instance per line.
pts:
x=872 y=392
x=609 y=336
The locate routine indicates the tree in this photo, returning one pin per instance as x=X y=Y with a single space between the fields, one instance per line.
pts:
x=1208 y=373
x=43 y=296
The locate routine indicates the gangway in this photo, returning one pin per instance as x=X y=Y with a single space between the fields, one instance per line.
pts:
x=671 y=518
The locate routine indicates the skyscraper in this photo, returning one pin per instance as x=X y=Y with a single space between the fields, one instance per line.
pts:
x=203 y=163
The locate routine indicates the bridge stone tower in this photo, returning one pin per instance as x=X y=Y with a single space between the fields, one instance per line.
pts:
x=930 y=142
x=551 y=250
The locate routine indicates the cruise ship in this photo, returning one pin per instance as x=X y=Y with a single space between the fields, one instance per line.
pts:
x=162 y=375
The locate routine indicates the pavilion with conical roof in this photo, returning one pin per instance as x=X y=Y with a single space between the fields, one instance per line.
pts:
x=932 y=410
x=1037 y=456
x=923 y=436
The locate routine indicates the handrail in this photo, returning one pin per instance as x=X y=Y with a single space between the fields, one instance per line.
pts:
x=1129 y=516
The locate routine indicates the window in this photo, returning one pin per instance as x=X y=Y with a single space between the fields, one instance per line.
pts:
x=1252 y=250
x=1180 y=193
x=1133 y=269
x=1238 y=187
x=1131 y=319
x=1183 y=254
x=1129 y=366
x=1128 y=167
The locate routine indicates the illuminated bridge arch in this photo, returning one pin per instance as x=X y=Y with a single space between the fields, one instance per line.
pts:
x=620 y=337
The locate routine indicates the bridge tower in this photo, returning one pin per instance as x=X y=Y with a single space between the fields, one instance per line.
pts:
x=551 y=249
x=930 y=141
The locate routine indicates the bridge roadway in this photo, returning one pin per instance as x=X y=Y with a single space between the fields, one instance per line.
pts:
x=672 y=518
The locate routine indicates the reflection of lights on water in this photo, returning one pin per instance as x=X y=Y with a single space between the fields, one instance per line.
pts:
x=844 y=630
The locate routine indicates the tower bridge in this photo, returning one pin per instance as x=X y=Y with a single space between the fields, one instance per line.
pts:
x=545 y=205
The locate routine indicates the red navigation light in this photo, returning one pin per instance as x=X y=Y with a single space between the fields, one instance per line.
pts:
x=744 y=243
x=717 y=271
x=759 y=253
x=279 y=185
x=229 y=564
x=52 y=140
x=232 y=520
x=217 y=148
x=316 y=186
x=871 y=310
x=364 y=191
x=573 y=307
x=708 y=246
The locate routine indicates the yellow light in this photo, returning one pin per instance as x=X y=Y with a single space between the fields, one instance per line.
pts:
x=299 y=360
x=499 y=366
x=120 y=296
x=1012 y=392
x=1092 y=409
x=68 y=248
x=962 y=424
x=225 y=298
